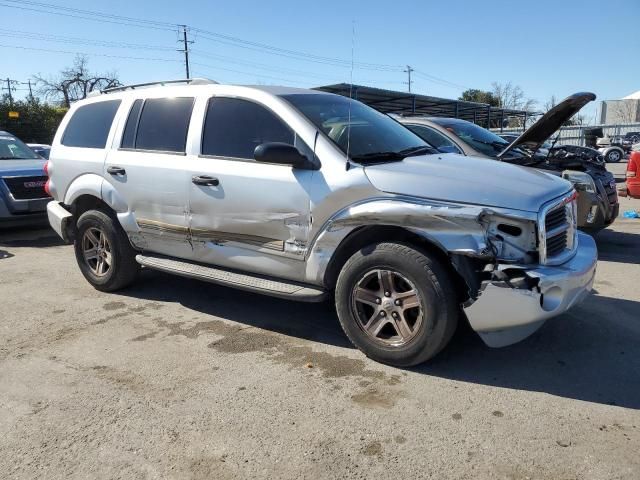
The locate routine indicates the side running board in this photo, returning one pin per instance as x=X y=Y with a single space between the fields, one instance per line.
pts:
x=275 y=288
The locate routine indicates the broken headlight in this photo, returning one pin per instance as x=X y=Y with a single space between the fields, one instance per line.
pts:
x=581 y=181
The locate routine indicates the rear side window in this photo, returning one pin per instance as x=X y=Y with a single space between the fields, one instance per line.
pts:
x=90 y=124
x=163 y=124
x=235 y=127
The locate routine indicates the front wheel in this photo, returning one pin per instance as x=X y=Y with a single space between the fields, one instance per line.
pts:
x=613 y=156
x=104 y=253
x=396 y=303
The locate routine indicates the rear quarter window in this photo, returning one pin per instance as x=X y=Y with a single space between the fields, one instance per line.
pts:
x=90 y=124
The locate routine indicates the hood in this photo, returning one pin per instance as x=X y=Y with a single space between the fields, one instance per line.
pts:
x=473 y=180
x=550 y=122
x=32 y=166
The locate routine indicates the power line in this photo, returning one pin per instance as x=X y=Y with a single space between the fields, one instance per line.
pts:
x=48 y=8
x=261 y=47
x=58 y=9
x=126 y=57
x=78 y=40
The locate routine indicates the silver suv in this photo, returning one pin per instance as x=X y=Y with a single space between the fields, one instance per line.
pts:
x=302 y=195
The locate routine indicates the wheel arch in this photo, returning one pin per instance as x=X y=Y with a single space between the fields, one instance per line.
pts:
x=363 y=236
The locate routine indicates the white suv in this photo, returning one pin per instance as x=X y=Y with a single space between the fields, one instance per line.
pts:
x=299 y=194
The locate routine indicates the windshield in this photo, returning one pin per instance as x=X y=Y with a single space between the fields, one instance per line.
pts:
x=13 y=149
x=479 y=138
x=361 y=132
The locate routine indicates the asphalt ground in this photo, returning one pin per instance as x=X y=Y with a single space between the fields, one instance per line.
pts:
x=174 y=378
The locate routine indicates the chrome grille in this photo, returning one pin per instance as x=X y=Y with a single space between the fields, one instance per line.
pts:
x=557 y=230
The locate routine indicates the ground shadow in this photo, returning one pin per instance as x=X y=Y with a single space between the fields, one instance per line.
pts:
x=4 y=254
x=621 y=247
x=588 y=354
x=29 y=237
x=317 y=322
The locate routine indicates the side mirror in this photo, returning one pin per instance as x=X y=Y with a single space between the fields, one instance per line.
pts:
x=283 y=154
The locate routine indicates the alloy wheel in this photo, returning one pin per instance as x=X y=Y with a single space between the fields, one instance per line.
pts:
x=388 y=307
x=96 y=250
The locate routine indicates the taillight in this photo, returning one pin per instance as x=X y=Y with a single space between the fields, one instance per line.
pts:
x=46 y=168
x=46 y=187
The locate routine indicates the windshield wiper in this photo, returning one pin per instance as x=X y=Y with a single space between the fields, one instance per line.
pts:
x=377 y=156
x=17 y=158
x=419 y=150
x=393 y=156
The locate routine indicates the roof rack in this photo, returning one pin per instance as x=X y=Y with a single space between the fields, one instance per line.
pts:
x=190 y=81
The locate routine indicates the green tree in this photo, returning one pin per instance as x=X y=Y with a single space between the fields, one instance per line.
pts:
x=37 y=121
x=479 y=96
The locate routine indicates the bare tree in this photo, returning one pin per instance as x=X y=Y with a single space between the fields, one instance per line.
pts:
x=549 y=104
x=627 y=111
x=74 y=83
x=512 y=96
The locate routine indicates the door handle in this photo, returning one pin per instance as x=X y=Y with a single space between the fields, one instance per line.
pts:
x=205 y=180
x=113 y=170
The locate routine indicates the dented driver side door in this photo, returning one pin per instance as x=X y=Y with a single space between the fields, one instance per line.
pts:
x=247 y=215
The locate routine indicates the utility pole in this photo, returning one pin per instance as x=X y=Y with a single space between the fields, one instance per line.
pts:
x=408 y=72
x=8 y=88
x=185 y=50
x=28 y=82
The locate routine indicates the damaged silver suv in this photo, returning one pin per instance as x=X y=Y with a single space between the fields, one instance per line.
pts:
x=302 y=195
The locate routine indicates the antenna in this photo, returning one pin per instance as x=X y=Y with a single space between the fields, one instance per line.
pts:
x=353 y=41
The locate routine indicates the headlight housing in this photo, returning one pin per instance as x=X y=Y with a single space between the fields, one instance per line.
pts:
x=581 y=181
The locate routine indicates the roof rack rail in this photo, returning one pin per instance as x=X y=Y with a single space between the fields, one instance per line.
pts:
x=190 y=81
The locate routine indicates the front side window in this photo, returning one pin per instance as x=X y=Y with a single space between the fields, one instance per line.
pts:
x=163 y=124
x=361 y=132
x=90 y=124
x=234 y=128
x=434 y=138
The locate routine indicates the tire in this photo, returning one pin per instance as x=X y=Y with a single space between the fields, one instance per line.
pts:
x=103 y=231
x=613 y=156
x=427 y=327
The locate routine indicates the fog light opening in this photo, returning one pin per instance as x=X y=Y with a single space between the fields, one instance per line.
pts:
x=551 y=299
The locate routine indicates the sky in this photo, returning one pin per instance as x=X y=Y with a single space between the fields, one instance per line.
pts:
x=545 y=47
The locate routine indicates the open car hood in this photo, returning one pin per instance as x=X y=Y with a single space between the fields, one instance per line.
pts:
x=533 y=138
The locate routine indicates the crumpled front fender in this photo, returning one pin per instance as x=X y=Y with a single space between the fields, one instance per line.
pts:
x=453 y=228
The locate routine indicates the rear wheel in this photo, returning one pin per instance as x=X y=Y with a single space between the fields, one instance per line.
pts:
x=396 y=304
x=103 y=252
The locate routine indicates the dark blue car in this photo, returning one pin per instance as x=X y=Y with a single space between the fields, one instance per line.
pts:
x=23 y=199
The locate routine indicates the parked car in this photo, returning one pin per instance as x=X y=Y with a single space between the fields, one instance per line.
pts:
x=597 y=201
x=23 y=199
x=611 y=150
x=301 y=194
x=633 y=173
x=41 y=149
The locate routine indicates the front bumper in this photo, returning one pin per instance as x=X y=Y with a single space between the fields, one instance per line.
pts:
x=504 y=315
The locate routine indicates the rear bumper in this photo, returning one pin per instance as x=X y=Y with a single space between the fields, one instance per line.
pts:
x=60 y=220
x=504 y=315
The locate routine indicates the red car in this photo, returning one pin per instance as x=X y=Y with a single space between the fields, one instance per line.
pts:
x=633 y=175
